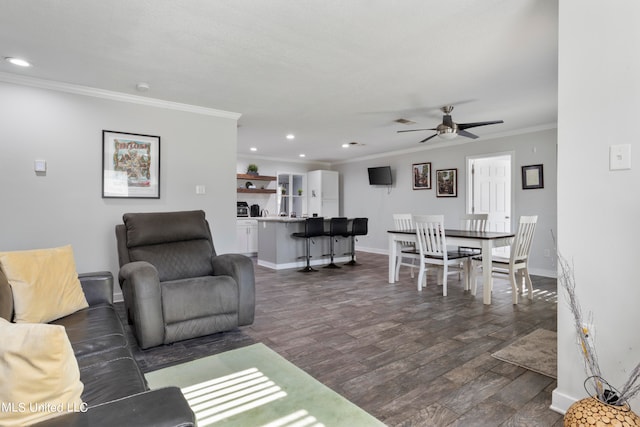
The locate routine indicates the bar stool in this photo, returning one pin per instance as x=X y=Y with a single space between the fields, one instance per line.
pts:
x=338 y=226
x=359 y=227
x=313 y=227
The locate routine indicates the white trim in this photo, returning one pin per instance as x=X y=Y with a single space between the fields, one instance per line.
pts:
x=560 y=402
x=300 y=264
x=114 y=96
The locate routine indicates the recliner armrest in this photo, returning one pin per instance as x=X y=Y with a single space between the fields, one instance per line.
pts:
x=141 y=288
x=240 y=268
x=97 y=287
x=165 y=407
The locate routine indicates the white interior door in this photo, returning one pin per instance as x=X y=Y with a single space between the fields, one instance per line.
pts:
x=490 y=182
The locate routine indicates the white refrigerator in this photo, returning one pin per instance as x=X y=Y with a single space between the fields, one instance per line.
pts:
x=323 y=193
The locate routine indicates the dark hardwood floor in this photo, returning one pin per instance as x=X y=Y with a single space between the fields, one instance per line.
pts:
x=409 y=358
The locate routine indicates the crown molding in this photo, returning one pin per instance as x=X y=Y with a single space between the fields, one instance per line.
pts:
x=114 y=96
x=448 y=143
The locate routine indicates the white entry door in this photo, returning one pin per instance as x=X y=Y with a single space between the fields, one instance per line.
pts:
x=490 y=192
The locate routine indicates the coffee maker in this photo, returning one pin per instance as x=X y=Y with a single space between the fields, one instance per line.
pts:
x=255 y=210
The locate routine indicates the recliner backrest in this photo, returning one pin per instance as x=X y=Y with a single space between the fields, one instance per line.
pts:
x=178 y=244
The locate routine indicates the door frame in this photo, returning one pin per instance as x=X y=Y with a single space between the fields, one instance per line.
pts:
x=469 y=181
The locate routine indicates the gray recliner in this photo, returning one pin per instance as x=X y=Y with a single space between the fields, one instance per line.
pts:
x=174 y=285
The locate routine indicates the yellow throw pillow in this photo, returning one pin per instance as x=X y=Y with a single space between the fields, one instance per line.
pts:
x=40 y=375
x=44 y=282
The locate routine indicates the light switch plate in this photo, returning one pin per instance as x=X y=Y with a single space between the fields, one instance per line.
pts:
x=200 y=189
x=620 y=157
x=40 y=165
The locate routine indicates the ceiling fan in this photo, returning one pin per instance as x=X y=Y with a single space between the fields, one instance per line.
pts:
x=449 y=130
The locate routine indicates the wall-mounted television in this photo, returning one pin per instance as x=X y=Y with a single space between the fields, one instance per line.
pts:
x=380 y=175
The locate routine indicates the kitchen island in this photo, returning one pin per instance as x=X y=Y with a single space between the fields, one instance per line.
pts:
x=278 y=250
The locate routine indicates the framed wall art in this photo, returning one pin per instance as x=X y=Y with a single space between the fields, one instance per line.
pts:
x=532 y=177
x=447 y=183
x=130 y=165
x=421 y=173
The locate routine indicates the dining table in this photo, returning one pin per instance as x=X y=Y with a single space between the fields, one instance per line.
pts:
x=484 y=240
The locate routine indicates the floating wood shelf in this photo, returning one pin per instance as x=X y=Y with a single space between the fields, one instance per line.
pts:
x=248 y=177
x=256 y=177
x=257 y=190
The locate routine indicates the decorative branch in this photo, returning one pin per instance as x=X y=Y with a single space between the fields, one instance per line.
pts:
x=604 y=392
x=568 y=282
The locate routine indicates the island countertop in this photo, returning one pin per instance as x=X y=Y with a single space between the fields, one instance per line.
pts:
x=279 y=219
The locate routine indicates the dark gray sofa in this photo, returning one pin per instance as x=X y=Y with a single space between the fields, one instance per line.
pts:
x=174 y=285
x=115 y=389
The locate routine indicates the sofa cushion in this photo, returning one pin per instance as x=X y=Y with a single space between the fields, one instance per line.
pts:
x=40 y=375
x=107 y=367
x=93 y=330
x=44 y=283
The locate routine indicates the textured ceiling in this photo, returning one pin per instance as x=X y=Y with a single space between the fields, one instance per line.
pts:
x=328 y=71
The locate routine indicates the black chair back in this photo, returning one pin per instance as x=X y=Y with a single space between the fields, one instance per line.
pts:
x=338 y=226
x=360 y=226
x=314 y=226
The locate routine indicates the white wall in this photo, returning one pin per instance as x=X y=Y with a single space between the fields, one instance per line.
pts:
x=380 y=203
x=598 y=209
x=66 y=207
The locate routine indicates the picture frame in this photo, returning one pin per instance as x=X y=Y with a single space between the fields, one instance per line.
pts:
x=421 y=176
x=130 y=165
x=447 y=183
x=532 y=177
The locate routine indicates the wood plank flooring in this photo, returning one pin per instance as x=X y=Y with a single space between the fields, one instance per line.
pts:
x=409 y=358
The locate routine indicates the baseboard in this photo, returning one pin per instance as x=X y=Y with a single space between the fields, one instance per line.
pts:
x=300 y=264
x=560 y=402
x=543 y=272
x=117 y=297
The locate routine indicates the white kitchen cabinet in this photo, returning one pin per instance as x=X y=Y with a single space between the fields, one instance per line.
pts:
x=323 y=193
x=247 y=236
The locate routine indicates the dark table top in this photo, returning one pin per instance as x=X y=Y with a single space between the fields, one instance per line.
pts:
x=481 y=235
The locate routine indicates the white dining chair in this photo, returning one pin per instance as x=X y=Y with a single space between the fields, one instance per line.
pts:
x=517 y=265
x=432 y=247
x=407 y=255
x=471 y=222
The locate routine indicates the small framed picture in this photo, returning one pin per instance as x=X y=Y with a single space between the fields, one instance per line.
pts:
x=421 y=173
x=130 y=165
x=532 y=177
x=447 y=183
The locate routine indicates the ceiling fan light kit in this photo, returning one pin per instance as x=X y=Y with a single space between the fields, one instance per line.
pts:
x=448 y=129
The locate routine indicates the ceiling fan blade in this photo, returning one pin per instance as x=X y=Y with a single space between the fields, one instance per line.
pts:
x=467 y=134
x=476 y=124
x=413 y=130
x=428 y=138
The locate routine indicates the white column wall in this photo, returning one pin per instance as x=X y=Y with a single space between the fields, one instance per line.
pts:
x=598 y=209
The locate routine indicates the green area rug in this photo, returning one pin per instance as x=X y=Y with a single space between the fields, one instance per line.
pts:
x=537 y=352
x=255 y=386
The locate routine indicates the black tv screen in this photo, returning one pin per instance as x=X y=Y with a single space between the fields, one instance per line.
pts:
x=380 y=175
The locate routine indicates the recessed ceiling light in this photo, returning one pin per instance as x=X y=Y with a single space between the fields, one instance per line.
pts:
x=291 y=136
x=17 y=61
x=303 y=155
x=253 y=149
x=345 y=145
